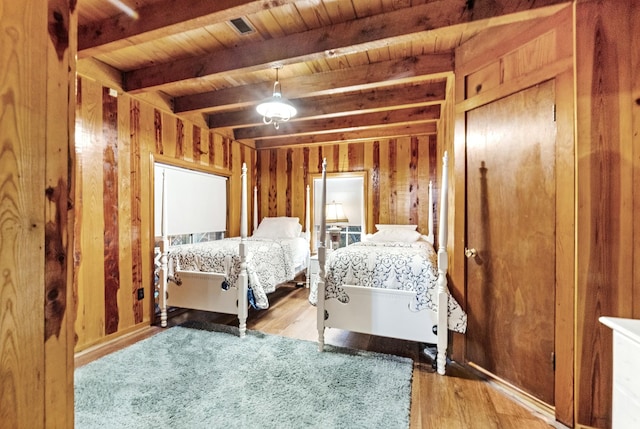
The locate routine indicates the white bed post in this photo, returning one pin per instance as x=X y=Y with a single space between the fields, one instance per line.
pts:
x=307 y=233
x=307 y=217
x=164 y=260
x=321 y=258
x=255 y=208
x=431 y=236
x=243 y=278
x=443 y=265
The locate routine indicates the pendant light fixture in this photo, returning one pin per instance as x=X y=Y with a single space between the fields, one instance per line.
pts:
x=276 y=108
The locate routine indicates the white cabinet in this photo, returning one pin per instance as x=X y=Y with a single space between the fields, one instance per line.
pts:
x=626 y=377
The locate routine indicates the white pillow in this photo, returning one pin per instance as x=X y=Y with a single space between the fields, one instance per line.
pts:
x=404 y=235
x=278 y=227
x=380 y=227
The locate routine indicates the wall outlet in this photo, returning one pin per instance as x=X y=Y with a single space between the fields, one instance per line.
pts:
x=140 y=294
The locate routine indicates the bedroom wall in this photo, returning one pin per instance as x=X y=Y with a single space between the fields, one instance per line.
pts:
x=501 y=62
x=586 y=49
x=398 y=174
x=36 y=213
x=118 y=137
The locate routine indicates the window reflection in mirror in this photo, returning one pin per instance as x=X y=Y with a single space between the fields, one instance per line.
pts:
x=348 y=191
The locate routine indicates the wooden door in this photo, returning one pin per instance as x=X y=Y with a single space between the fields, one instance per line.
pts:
x=511 y=199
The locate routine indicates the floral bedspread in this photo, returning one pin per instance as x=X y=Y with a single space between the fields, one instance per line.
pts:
x=403 y=266
x=269 y=263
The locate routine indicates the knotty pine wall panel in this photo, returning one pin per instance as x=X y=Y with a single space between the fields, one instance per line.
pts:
x=398 y=174
x=118 y=137
x=606 y=191
x=37 y=65
x=88 y=244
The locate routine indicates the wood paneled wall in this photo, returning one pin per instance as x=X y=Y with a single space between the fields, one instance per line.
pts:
x=505 y=61
x=118 y=138
x=607 y=169
x=36 y=213
x=598 y=118
x=398 y=175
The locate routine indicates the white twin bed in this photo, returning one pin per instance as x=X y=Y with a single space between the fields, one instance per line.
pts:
x=228 y=275
x=392 y=285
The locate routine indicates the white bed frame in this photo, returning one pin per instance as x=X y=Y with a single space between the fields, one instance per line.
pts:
x=203 y=290
x=387 y=312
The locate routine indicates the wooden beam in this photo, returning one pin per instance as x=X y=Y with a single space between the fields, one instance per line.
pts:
x=354 y=36
x=342 y=123
x=429 y=94
x=122 y=30
x=426 y=128
x=366 y=77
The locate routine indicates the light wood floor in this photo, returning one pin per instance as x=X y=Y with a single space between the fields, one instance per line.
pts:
x=460 y=399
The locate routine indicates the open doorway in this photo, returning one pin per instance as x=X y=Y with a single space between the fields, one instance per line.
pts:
x=345 y=205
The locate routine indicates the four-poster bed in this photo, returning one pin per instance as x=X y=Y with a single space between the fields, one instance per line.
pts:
x=226 y=275
x=390 y=285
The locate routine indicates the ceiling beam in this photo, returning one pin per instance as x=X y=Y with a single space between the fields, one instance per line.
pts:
x=362 y=102
x=426 y=128
x=375 y=120
x=353 y=36
x=121 y=31
x=386 y=73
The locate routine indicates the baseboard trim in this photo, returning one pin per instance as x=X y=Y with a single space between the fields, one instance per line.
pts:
x=541 y=408
x=113 y=342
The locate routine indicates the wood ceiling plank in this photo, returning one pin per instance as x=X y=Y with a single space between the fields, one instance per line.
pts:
x=289 y=19
x=339 y=11
x=121 y=30
x=358 y=35
x=339 y=39
x=313 y=14
x=426 y=128
x=367 y=7
x=267 y=25
x=341 y=123
x=360 y=78
x=431 y=93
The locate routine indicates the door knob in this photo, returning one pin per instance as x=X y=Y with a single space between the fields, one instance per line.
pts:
x=470 y=253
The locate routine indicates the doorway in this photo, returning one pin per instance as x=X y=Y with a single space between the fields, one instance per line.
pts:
x=511 y=209
x=349 y=189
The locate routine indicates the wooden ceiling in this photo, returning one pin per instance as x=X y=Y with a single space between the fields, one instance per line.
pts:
x=354 y=69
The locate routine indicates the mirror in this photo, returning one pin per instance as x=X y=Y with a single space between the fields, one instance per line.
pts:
x=348 y=192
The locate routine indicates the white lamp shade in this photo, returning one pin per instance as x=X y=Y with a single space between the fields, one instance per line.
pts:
x=335 y=213
x=276 y=107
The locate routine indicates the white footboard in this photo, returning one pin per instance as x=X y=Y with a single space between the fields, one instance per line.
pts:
x=202 y=291
x=383 y=312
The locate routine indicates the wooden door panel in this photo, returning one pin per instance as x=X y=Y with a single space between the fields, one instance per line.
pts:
x=511 y=223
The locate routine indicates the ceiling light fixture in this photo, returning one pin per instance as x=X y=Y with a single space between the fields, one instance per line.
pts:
x=276 y=108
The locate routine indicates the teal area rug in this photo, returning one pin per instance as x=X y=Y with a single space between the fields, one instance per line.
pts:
x=204 y=376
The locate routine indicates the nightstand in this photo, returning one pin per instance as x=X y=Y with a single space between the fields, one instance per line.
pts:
x=313 y=270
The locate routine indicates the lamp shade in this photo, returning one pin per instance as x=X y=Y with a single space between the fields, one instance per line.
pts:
x=335 y=214
x=276 y=108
